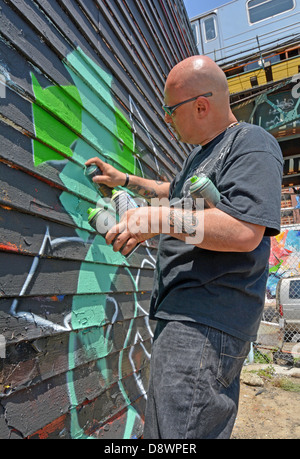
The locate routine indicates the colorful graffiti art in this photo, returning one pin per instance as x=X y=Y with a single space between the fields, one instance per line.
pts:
x=284 y=259
x=72 y=124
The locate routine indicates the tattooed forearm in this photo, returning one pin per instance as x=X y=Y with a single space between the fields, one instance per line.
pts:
x=183 y=222
x=149 y=189
x=146 y=192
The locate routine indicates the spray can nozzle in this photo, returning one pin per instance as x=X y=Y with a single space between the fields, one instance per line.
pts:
x=194 y=179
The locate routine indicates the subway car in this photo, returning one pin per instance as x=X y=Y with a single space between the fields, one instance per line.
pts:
x=242 y=28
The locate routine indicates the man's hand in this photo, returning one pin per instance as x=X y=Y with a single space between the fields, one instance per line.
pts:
x=210 y=229
x=111 y=176
x=140 y=186
x=136 y=225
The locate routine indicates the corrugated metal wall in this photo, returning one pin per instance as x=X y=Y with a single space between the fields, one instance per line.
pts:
x=78 y=78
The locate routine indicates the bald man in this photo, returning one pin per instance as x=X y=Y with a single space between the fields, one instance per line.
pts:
x=212 y=263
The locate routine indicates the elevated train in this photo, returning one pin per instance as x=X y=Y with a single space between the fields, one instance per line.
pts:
x=258 y=40
x=257 y=44
x=241 y=28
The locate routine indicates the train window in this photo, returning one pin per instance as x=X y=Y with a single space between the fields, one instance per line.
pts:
x=264 y=9
x=195 y=33
x=210 y=28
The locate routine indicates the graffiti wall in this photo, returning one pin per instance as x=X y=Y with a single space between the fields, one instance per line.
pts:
x=284 y=259
x=78 y=79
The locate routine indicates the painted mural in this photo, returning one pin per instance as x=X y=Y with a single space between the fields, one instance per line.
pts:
x=74 y=105
x=80 y=81
x=277 y=110
x=284 y=259
x=62 y=119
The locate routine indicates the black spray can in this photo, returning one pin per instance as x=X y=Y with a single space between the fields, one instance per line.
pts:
x=203 y=187
x=90 y=172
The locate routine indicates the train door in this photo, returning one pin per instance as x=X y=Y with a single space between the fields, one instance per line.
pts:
x=210 y=35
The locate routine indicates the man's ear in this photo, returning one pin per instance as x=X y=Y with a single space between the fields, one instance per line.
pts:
x=202 y=106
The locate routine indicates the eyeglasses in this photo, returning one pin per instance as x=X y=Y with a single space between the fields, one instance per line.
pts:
x=170 y=109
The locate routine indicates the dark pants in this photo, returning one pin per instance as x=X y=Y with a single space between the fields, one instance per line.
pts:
x=194 y=382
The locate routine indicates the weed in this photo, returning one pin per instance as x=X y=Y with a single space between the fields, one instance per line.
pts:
x=267 y=372
x=287 y=384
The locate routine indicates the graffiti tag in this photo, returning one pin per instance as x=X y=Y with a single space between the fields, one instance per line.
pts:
x=296 y=88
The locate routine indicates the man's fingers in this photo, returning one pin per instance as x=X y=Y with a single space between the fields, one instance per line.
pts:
x=100 y=178
x=129 y=246
x=115 y=232
x=119 y=242
x=96 y=161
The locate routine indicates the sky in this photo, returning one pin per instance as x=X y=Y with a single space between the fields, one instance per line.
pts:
x=195 y=7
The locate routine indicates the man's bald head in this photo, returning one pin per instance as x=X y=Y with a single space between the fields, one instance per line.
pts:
x=203 y=118
x=198 y=75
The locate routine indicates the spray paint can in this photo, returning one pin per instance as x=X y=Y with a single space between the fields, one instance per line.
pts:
x=102 y=221
x=123 y=202
x=90 y=172
x=203 y=187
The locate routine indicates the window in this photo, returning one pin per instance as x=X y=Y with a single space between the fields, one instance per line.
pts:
x=294 y=292
x=210 y=28
x=264 y=9
x=195 y=32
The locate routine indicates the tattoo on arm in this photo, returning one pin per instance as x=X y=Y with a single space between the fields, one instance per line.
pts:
x=147 y=192
x=184 y=222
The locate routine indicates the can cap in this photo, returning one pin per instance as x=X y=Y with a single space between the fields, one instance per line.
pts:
x=92 y=212
x=90 y=169
x=194 y=179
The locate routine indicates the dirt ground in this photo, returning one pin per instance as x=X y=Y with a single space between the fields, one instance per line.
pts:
x=267 y=411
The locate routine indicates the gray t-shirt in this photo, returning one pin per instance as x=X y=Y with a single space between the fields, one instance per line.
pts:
x=225 y=290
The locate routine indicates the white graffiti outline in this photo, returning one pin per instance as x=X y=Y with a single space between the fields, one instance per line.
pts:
x=132 y=104
x=29 y=316
x=43 y=323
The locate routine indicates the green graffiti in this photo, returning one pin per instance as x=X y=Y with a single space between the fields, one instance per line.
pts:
x=107 y=130
x=63 y=102
x=81 y=121
x=275 y=268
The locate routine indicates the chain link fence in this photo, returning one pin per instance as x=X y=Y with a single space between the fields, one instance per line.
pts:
x=279 y=333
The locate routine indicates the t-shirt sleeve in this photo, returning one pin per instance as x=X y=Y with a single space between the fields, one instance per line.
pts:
x=250 y=187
